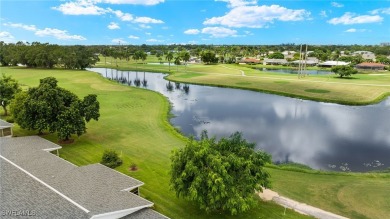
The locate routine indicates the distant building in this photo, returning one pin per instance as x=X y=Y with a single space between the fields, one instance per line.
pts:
x=332 y=63
x=385 y=44
x=39 y=184
x=288 y=54
x=370 y=66
x=275 y=62
x=311 y=61
x=365 y=55
x=5 y=128
x=249 y=61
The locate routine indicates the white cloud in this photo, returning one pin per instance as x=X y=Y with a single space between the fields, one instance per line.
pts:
x=144 y=26
x=219 y=32
x=134 y=2
x=257 y=16
x=80 y=7
x=238 y=3
x=23 y=26
x=154 y=41
x=58 y=34
x=6 y=37
x=337 y=5
x=133 y=37
x=122 y=16
x=113 y=26
x=381 y=10
x=53 y=32
x=353 y=30
x=148 y=33
x=118 y=41
x=192 y=31
x=323 y=14
x=147 y=20
x=350 y=18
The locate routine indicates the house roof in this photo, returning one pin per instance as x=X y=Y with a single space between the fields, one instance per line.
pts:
x=369 y=64
x=93 y=190
x=4 y=124
x=250 y=60
x=276 y=60
x=333 y=63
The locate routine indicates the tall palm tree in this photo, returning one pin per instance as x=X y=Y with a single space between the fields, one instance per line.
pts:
x=185 y=57
x=177 y=61
x=169 y=57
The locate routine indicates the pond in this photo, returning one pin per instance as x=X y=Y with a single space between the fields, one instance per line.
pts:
x=322 y=135
x=295 y=71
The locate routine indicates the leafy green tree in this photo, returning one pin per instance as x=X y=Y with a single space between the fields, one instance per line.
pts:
x=49 y=107
x=111 y=159
x=8 y=88
x=208 y=57
x=276 y=55
x=169 y=57
x=219 y=175
x=344 y=70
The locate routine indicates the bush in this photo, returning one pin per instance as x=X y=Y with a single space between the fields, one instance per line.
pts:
x=111 y=159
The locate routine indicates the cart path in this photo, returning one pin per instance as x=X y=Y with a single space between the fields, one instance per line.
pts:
x=269 y=195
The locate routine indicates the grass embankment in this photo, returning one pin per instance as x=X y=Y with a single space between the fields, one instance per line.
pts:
x=361 y=89
x=134 y=123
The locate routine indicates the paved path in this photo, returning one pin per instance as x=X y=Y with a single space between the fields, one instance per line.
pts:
x=242 y=72
x=302 y=208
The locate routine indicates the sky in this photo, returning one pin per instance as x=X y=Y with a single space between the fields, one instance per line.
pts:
x=249 y=22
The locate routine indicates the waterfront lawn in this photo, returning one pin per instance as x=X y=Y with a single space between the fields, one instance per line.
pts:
x=133 y=122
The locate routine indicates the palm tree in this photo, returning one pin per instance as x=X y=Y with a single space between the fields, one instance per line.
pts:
x=185 y=57
x=177 y=61
x=169 y=57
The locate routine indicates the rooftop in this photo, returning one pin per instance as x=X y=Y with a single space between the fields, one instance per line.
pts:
x=92 y=191
x=4 y=124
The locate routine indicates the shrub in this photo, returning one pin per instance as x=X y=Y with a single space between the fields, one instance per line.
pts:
x=111 y=159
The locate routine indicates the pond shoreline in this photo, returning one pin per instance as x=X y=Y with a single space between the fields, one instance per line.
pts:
x=171 y=76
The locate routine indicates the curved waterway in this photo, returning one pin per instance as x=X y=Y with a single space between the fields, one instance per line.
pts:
x=321 y=135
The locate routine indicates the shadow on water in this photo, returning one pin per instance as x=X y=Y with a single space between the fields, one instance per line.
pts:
x=320 y=135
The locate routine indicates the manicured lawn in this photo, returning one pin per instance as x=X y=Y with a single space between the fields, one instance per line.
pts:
x=354 y=196
x=134 y=122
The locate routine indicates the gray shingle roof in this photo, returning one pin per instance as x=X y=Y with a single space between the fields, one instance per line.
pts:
x=95 y=188
x=4 y=124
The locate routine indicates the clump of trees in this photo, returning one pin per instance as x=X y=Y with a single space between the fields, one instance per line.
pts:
x=219 y=175
x=44 y=55
x=54 y=109
x=344 y=70
x=111 y=159
x=208 y=57
x=8 y=88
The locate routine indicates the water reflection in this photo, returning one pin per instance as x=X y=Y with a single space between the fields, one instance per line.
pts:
x=295 y=71
x=321 y=135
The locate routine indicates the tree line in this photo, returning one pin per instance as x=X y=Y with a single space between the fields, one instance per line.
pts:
x=45 y=55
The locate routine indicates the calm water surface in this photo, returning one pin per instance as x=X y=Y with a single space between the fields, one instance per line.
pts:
x=293 y=71
x=321 y=135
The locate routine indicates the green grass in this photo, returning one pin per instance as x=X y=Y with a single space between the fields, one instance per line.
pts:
x=350 y=195
x=320 y=91
x=134 y=122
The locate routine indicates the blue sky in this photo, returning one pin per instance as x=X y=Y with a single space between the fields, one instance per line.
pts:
x=251 y=22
